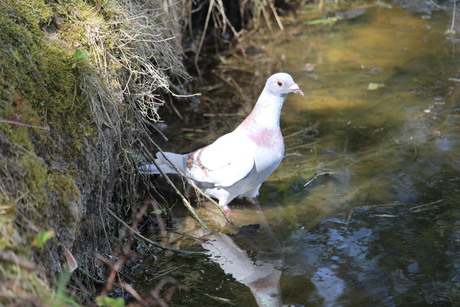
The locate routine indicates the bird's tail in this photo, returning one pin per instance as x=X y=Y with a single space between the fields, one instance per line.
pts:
x=162 y=162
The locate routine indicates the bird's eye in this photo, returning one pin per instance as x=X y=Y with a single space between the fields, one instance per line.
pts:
x=279 y=83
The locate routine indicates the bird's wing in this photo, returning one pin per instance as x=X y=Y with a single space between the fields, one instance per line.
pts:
x=229 y=159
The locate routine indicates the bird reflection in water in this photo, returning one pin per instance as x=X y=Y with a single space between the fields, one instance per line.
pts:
x=251 y=254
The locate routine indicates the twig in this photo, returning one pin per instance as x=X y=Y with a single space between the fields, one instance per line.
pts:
x=134 y=293
x=184 y=200
x=266 y=16
x=232 y=83
x=354 y=209
x=114 y=269
x=222 y=114
x=13 y=258
x=191 y=97
x=161 y=223
x=203 y=35
x=423 y=207
x=137 y=234
x=319 y=174
x=167 y=293
x=160 y=132
x=186 y=203
x=349 y=216
x=12 y=122
x=277 y=17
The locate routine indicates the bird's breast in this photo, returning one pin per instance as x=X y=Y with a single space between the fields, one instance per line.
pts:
x=269 y=138
x=269 y=149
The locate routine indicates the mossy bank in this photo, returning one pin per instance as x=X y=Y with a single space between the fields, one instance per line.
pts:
x=77 y=80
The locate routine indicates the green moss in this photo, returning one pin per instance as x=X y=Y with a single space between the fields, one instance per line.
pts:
x=44 y=82
x=42 y=78
x=30 y=290
x=9 y=235
x=41 y=70
x=35 y=179
x=35 y=12
x=64 y=187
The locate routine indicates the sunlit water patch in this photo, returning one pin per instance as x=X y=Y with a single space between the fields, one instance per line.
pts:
x=383 y=226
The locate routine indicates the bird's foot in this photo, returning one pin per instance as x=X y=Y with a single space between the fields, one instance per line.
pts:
x=232 y=213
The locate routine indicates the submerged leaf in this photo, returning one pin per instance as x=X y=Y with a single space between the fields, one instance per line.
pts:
x=328 y=20
x=374 y=86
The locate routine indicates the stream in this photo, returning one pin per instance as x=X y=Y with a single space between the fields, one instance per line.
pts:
x=364 y=208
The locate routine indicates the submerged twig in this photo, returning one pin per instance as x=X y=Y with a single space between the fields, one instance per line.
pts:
x=452 y=26
x=161 y=223
x=137 y=234
x=318 y=175
x=352 y=210
x=427 y=206
x=416 y=209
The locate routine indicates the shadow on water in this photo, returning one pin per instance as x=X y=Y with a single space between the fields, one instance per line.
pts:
x=381 y=118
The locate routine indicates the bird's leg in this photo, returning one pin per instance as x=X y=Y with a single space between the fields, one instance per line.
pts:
x=254 y=202
x=231 y=213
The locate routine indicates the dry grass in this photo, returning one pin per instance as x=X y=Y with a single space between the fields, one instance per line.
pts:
x=133 y=62
x=139 y=53
x=256 y=11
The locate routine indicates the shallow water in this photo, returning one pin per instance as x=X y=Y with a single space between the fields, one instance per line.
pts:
x=364 y=209
x=394 y=155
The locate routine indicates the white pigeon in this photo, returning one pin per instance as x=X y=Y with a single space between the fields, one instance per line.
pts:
x=237 y=163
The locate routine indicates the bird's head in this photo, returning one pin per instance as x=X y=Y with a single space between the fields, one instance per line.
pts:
x=282 y=84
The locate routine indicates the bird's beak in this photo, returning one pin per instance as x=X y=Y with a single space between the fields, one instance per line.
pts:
x=296 y=89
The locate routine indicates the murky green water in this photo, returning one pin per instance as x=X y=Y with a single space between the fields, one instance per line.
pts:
x=383 y=227
x=394 y=152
